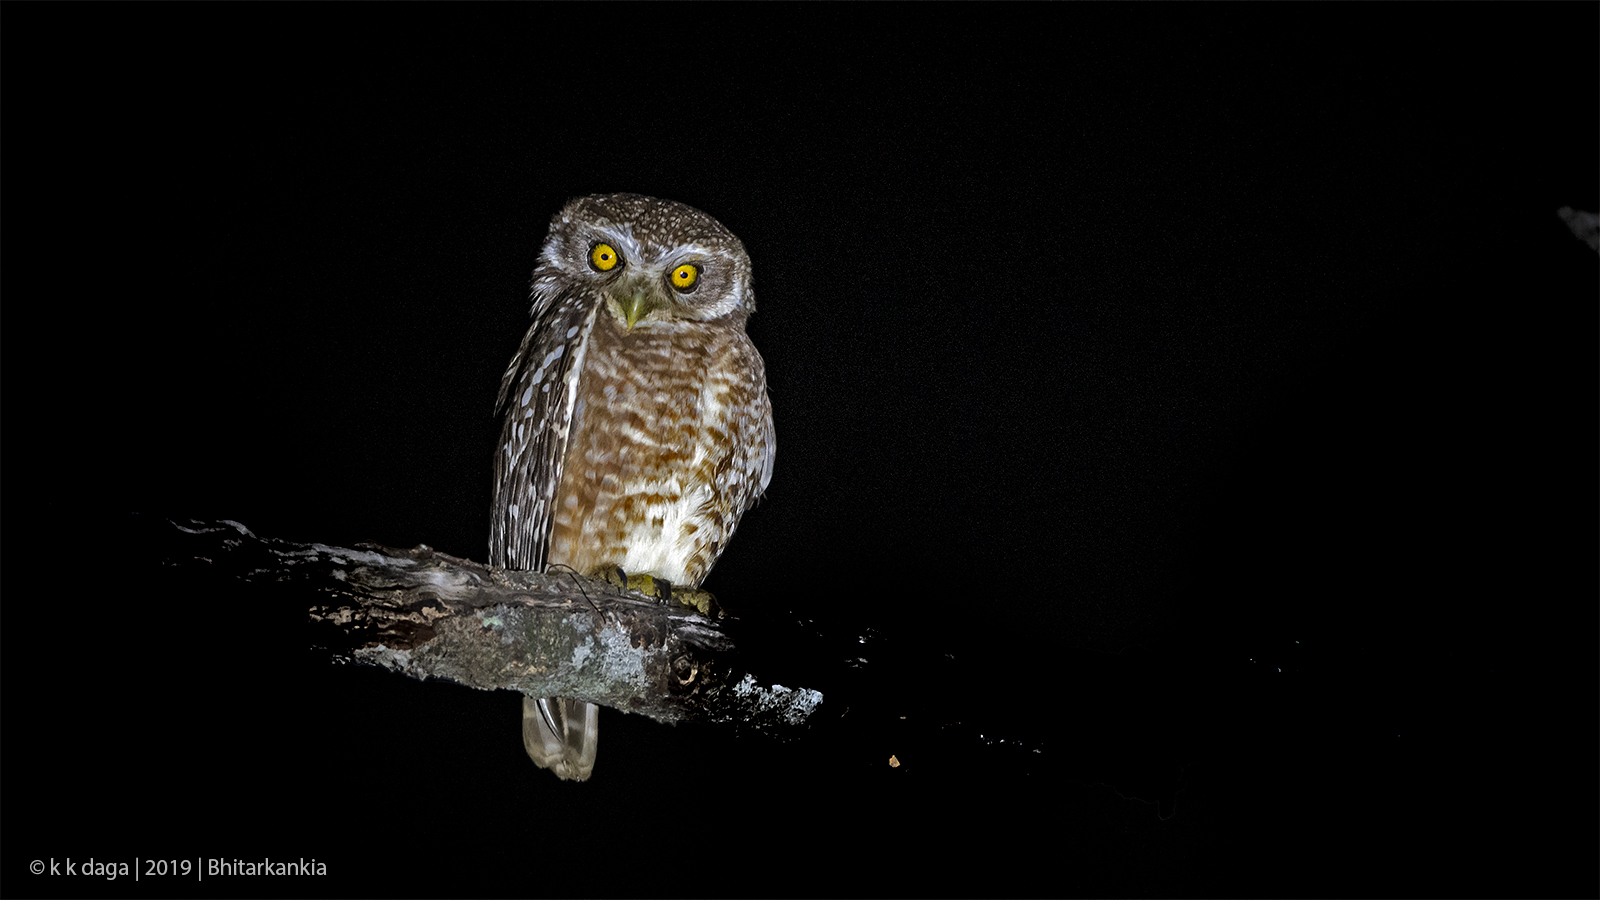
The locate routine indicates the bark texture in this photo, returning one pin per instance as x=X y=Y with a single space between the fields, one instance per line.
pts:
x=427 y=614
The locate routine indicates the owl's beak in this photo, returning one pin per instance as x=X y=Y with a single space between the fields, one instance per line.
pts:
x=635 y=306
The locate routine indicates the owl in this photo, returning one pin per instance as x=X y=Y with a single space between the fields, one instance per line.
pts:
x=637 y=426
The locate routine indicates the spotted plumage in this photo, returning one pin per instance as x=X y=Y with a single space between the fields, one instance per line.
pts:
x=637 y=427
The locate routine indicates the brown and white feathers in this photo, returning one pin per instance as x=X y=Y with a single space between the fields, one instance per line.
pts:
x=637 y=427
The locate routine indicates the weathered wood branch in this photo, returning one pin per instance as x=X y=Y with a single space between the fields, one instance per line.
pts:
x=427 y=614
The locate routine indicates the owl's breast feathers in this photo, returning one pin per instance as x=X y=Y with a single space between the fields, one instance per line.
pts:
x=668 y=440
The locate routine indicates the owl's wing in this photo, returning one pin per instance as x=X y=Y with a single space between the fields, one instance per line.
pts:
x=537 y=394
x=748 y=470
x=756 y=433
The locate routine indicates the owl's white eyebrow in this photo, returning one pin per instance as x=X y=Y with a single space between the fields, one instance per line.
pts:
x=622 y=236
x=695 y=249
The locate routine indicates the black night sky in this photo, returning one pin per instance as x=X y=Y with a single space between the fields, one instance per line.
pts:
x=1184 y=412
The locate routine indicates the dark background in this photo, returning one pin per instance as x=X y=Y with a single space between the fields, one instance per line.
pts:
x=1185 y=415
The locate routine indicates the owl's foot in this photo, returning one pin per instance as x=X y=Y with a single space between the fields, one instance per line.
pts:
x=702 y=601
x=661 y=589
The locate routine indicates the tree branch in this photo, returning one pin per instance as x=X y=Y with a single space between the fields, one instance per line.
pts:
x=427 y=614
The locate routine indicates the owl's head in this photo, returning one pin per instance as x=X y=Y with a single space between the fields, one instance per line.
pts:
x=652 y=262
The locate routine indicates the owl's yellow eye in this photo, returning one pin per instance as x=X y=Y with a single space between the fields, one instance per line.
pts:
x=684 y=276
x=603 y=257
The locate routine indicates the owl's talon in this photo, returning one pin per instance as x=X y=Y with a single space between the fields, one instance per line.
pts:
x=703 y=602
x=614 y=576
x=661 y=590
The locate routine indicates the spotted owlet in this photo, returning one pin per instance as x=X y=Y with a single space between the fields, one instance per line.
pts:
x=637 y=425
